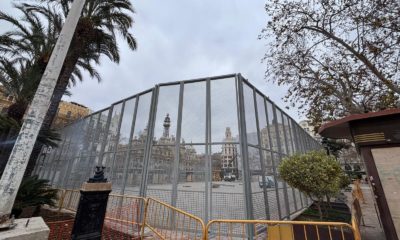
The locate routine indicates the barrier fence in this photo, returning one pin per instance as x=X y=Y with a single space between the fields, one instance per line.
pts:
x=271 y=230
x=122 y=220
x=129 y=217
x=357 y=192
x=168 y=222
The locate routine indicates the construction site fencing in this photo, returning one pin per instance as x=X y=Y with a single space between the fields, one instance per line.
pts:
x=163 y=221
x=280 y=230
x=123 y=218
x=196 y=144
x=130 y=217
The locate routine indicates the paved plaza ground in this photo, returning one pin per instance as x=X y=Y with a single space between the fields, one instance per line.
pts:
x=226 y=199
x=371 y=229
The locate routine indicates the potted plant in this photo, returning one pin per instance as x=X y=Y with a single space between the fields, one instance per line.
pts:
x=320 y=177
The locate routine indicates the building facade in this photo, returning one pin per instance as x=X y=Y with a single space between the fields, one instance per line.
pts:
x=67 y=111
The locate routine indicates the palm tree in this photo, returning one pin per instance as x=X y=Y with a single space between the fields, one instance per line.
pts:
x=27 y=49
x=34 y=192
x=95 y=36
x=25 y=52
x=19 y=79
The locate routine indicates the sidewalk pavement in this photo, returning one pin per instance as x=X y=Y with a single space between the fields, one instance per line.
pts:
x=371 y=228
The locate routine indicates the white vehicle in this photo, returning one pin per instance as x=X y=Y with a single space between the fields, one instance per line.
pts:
x=229 y=177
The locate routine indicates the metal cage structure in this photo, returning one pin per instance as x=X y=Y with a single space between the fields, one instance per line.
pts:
x=209 y=146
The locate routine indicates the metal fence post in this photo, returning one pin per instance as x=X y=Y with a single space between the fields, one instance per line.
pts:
x=245 y=157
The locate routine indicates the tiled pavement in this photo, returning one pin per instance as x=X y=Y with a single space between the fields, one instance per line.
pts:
x=371 y=228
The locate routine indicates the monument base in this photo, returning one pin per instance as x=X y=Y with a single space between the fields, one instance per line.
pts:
x=36 y=229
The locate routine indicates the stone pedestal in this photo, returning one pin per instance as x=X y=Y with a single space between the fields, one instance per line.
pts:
x=35 y=230
x=91 y=211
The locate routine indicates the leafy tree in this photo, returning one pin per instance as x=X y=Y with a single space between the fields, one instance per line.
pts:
x=314 y=173
x=34 y=192
x=336 y=57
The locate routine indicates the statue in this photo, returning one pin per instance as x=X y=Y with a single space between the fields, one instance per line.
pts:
x=98 y=175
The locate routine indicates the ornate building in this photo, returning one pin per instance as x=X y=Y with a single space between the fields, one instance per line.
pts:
x=67 y=111
x=229 y=155
x=305 y=124
x=5 y=100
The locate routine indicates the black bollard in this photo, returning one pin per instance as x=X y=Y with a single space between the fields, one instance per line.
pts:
x=92 y=207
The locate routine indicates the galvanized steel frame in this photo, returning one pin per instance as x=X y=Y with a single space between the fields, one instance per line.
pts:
x=300 y=142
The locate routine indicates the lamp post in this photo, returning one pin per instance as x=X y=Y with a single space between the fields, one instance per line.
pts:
x=19 y=157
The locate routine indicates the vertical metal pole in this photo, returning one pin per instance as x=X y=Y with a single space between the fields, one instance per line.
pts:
x=295 y=137
x=278 y=140
x=128 y=154
x=289 y=133
x=262 y=157
x=148 y=146
x=149 y=141
x=82 y=155
x=69 y=161
x=105 y=137
x=112 y=170
x=16 y=165
x=86 y=146
x=272 y=157
x=76 y=153
x=208 y=162
x=71 y=154
x=64 y=163
x=56 y=164
x=245 y=158
x=36 y=168
x=175 y=167
x=292 y=140
x=91 y=149
x=49 y=164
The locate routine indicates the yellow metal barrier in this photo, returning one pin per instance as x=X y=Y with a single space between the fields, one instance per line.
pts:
x=71 y=200
x=280 y=230
x=164 y=221
x=124 y=214
x=357 y=191
x=139 y=217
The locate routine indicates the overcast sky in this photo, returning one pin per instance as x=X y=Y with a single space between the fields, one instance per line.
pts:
x=179 y=40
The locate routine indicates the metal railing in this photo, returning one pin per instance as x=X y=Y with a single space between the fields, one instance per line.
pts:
x=168 y=222
x=357 y=192
x=279 y=230
x=123 y=215
x=138 y=217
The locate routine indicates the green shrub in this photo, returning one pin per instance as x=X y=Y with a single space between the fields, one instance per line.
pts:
x=314 y=173
x=34 y=192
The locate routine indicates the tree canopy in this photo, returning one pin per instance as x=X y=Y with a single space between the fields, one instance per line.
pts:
x=336 y=57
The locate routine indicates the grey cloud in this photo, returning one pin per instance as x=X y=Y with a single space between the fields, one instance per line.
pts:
x=180 y=40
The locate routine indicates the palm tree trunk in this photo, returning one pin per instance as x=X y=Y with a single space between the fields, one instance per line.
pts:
x=17 y=110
